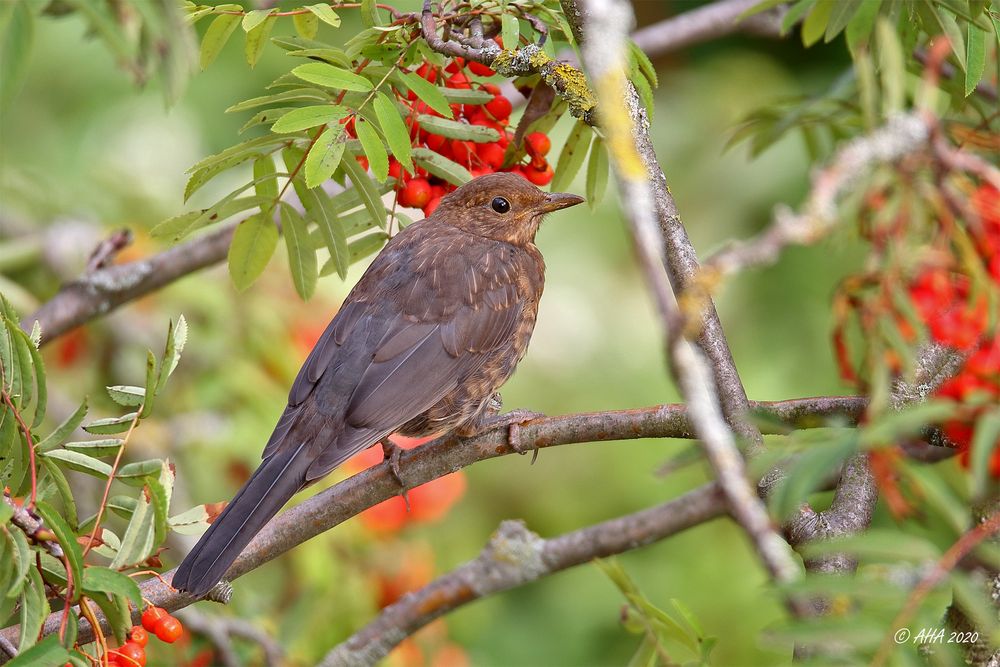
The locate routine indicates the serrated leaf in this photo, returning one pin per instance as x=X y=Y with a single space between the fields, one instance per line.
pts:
x=333 y=56
x=644 y=64
x=571 y=157
x=80 y=462
x=254 y=242
x=324 y=74
x=369 y=13
x=426 y=91
x=17 y=30
x=257 y=38
x=305 y=117
x=949 y=26
x=96 y=448
x=511 y=31
x=809 y=470
x=440 y=166
x=126 y=395
x=67 y=540
x=301 y=257
x=293 y=95
x=367 y=189
x=975 y=58
x=61 y=484
x=466 y=96
x=138 y=540
x=265 y=178
x=195 y=521
x=176 y=339
x=64 y=430
x=454 y=129
x=843 y=12
x=33 y=610
x=108 y=581
x=216 y=36
x=21 y=560
x=323 y=211
x=324 y=156
x=371 y=143
x=396 y=133
x=325 y=14
x=117 y=612
x=597 y=173
x=110 y=425
x=859 y=28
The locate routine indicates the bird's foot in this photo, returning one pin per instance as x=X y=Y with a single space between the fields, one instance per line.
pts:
x=513 y=420
x=390 y=454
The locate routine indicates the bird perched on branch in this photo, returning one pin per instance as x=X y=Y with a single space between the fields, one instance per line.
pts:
x=433 y=328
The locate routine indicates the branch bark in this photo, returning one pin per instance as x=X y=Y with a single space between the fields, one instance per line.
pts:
x=446 y=455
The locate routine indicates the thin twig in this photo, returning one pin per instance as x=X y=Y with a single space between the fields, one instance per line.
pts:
x=219 y=630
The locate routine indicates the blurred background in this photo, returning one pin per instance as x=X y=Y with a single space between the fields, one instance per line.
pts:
x=85 y=153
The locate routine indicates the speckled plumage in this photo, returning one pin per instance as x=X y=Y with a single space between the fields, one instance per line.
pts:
x=434 y=327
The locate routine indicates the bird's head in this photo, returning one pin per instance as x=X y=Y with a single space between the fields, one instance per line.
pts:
x=501 y=206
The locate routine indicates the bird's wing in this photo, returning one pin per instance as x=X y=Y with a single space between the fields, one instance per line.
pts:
x=421 y=320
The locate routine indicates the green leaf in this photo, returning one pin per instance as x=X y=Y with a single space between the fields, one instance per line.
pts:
x=457 y=130
x=34 y=609
x=466 y=96
x=572 y=155
x=597 y=173
x=367 y=189
x=644 y=64
x=949 y=26
x=105 y=580
x=22 y=561
x=440 y=166
x=67 y=540
x=138 y=542
x=116 y=610
x=64 y=430
x=396 y=133
x=253 y=244
x=321 y=209
x=815 y=24
x=859 y=28
x=176 y=339
x=325 y=14
x=511 y=31
x=307 y=25
x=809 y=470
x=254 y=18
x=324 y=156
x=126 y=395
x=893 y=67
x=293 y=95
x=305 y=117
x=46 y=652
x=216 y=36
x=265 y=178
x=80 y=462
x=301 y=257
x=257 y=38
x=984 y=443
x=332 y=56
x=426 y=91
x=880 y=544
x=975 y=57
x=96 y=448
x=17 y=30
x=324 y=74
x=110 y=425
x=192 y=522
x=369 y=14
x=371 y=143
x=843 y=12
x=910 y=421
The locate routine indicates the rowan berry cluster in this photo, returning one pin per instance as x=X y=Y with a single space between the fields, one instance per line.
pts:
x=958 y=316
x=155 y=620
x=424 y=190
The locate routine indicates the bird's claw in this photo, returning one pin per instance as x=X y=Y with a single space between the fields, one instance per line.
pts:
x=513 y=420
x=390 y=454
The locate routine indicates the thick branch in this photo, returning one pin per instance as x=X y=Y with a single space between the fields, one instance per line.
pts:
x=446 y=455
x=101 y=291
x=515 y=556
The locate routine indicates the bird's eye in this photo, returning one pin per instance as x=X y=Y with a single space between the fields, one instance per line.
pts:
x=500 y=205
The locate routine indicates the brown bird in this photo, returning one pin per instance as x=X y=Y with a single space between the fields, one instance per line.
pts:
x=433 y=328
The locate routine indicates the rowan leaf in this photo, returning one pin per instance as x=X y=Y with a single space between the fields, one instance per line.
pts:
x=253 y=244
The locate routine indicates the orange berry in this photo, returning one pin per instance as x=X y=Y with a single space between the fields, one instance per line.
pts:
x=152 y=616
x=431 y=206
x=130 y=654
x=499 y=107
x=416 y=194
x=480 y=69
x=537 y=144
x=491 y=155
x=138 y=635
x=539 y=176
x=168 y=630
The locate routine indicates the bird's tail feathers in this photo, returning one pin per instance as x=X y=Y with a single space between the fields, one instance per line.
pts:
x=273 y=484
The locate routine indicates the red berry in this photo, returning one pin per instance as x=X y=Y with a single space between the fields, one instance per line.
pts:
x=130 y=654
x=458 y=80
x=426 y=71
x=138 y=635
x=499 y=107
x=152 y=616
x=537 y=144
x=416 y=194
x=480 y=69
x=430 y=206
x=455 y=66
x=491 y=155
x=490 y=88
x=168 y=630
x=435 y=142
x=462 y=151
x=539 y=176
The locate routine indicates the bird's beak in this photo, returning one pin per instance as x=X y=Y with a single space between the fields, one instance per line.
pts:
x=557 y=200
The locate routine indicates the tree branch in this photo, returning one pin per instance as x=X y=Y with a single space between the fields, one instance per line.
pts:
x=515 y=556
x=705 y=23
x=446 y=455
